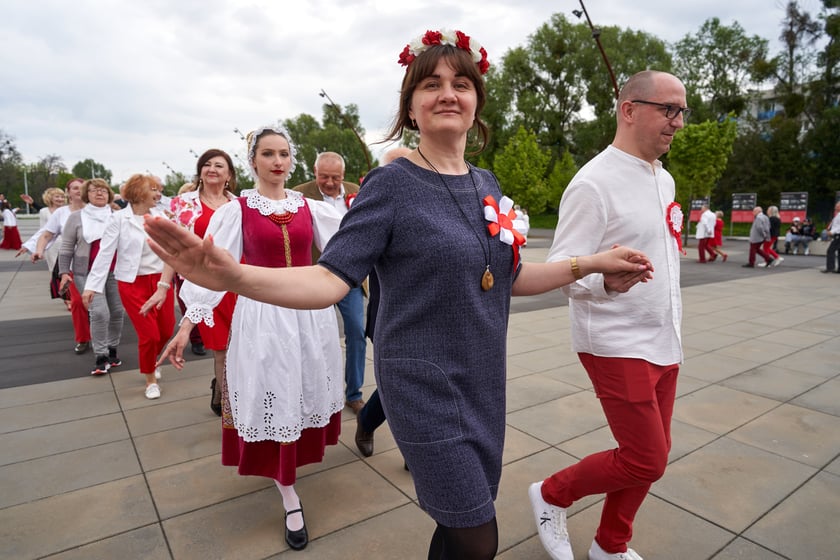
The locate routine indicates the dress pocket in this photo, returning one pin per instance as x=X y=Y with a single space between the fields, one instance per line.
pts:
x=420 y=401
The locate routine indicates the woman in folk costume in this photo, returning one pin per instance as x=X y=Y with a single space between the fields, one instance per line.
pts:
x=284 y=380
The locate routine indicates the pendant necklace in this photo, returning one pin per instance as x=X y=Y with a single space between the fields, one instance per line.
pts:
x=486 y=278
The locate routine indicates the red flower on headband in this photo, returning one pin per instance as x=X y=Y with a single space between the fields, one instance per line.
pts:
x=457 y=39
x=406 y=57
x=432 y=38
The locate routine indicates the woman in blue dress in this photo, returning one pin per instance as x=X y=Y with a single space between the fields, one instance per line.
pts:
x=441 y=238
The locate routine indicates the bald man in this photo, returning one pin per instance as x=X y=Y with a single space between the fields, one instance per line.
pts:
x=628 y=343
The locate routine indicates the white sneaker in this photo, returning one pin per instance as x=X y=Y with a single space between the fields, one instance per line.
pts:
x=551 y=525
x=157 y=373
x=777 y=262
x=807 y=251
x=761 y=265
x=598 y=553
x=153 y=391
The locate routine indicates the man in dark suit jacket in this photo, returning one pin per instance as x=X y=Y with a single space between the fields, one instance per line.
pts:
x=329 y=186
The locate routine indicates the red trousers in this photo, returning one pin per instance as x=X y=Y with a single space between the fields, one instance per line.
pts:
x=155 y=327
x=638 y=399
x=81 y=320
x=767 y=247
x=705 y=246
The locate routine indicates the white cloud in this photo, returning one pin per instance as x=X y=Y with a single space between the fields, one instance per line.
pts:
x=136 y=84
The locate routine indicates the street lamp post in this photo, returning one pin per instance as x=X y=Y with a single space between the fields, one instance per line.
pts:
x=350 y=126
x=596 y=34
x=26 y=188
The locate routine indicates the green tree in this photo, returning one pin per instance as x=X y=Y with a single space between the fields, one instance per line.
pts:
x=546 y=85
x=340 y=131
x=243 y=177
x=89 y=169
x=794 y=67
x=698 y=157
x=716 y=65
x=11 y=166
x=521 y=167
x=561 y=175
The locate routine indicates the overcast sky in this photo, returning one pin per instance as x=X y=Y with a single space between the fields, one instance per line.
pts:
x=136 y=84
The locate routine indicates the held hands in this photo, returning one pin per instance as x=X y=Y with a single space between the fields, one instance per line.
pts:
x=623 y=268
x=196 y=259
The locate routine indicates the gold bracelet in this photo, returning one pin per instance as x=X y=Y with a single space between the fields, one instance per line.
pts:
x=575 y=268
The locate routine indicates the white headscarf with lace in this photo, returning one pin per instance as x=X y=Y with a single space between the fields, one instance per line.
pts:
x=254 y=136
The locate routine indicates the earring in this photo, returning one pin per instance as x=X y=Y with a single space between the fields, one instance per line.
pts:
x=227 y=185
x=200 y=183
x=413 y=123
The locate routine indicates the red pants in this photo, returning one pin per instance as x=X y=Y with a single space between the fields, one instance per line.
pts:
x=81 y=320
x=755 y=249
x=638 y=399
x=767 y=247
x=155 y=327
x=705 y=246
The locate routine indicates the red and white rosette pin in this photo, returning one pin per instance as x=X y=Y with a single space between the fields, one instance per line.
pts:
x=502 y=217
x=674 y=217
x=349 y=199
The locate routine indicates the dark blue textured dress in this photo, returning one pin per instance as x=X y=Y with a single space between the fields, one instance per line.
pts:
x=439 y=345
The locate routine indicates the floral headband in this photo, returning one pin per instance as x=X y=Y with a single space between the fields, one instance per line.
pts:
x=445 y=37
x=276 y=128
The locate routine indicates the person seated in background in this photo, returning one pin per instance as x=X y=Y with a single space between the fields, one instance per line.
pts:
x=806 y=235
x=792 y=236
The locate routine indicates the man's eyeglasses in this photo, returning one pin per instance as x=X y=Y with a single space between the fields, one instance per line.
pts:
x=671 y=111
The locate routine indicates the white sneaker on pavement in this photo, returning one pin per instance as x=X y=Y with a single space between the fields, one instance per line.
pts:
x=551 y=525
x=778 y=261
x=598 y=553
x=153 y=391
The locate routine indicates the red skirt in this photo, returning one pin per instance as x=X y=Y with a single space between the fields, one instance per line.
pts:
x=276 y=460
x=11 y=238
x=216 y=337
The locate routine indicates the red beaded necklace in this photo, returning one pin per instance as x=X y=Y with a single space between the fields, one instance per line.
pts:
x=281 y=219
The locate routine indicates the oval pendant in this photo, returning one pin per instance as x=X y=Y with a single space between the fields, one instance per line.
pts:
x=487 y=280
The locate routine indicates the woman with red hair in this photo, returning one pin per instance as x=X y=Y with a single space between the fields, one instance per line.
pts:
x=138 y=273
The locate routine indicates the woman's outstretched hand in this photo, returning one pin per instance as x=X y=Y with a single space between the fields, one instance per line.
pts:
x=196 y=259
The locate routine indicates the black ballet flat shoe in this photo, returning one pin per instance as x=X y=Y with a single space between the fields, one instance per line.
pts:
x=215 y=407
x=297 y=540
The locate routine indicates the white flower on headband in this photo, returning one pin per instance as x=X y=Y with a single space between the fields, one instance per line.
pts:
x=445 y=37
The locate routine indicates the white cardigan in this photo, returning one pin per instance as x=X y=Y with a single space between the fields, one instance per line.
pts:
x=127 y=238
